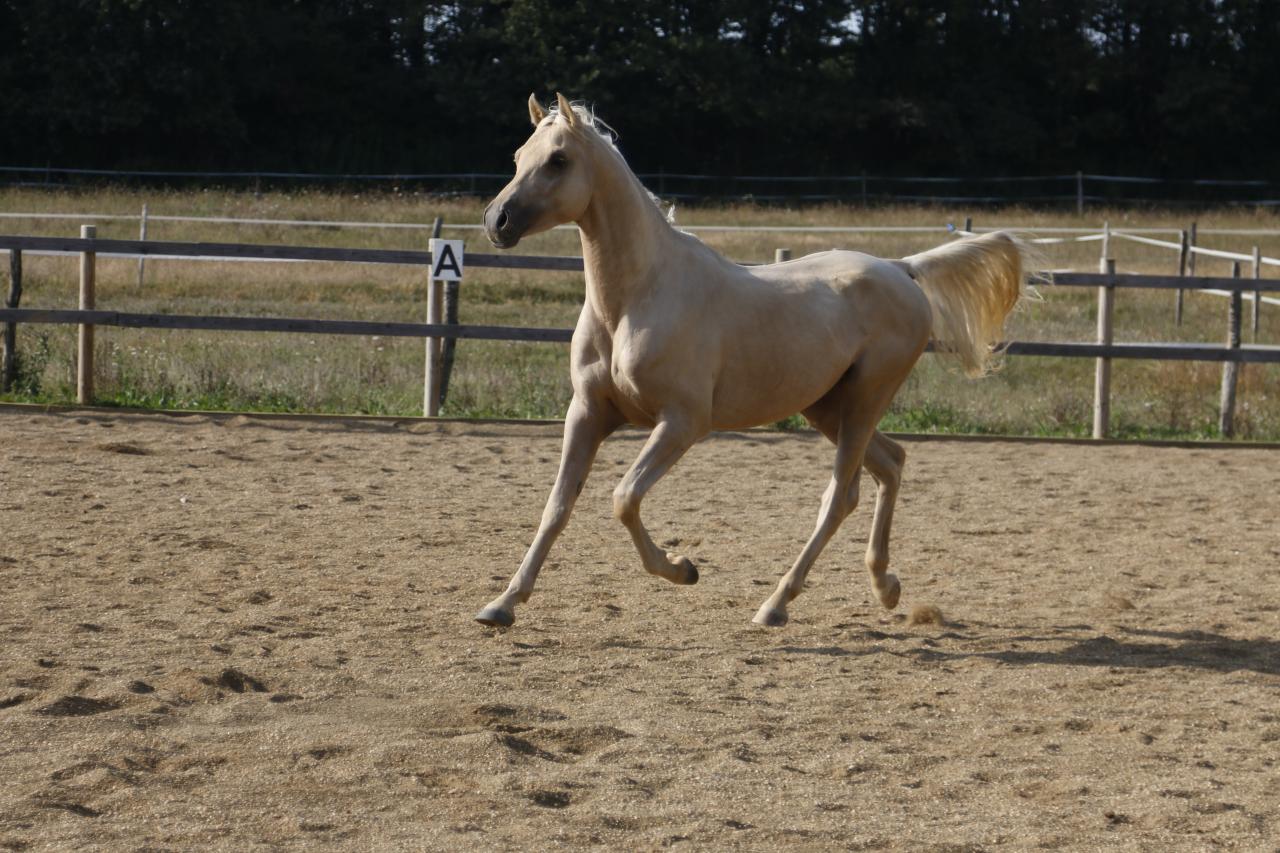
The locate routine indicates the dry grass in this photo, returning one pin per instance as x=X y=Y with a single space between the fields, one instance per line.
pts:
x=319 y=373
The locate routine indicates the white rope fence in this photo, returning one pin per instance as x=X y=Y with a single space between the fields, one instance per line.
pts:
x=1212 y=253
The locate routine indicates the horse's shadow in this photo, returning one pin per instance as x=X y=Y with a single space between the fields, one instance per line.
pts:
x=1138 y=648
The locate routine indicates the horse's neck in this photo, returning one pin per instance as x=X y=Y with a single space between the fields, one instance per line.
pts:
x=623 y=240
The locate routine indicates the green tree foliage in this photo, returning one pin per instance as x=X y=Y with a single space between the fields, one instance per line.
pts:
x=1172 y=87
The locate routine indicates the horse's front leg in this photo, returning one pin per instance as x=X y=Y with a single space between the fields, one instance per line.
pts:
x=586 y=425
x=669 y=440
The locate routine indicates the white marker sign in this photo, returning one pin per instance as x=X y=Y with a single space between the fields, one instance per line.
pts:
x=446 y=259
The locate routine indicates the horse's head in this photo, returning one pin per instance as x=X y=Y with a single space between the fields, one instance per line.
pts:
x=552 y=184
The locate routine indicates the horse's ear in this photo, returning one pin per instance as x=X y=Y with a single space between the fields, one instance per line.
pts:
x=536 y=112
x=566 y=110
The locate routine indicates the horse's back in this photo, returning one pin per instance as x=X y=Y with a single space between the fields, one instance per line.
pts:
x=874 y=289
x=837 y=269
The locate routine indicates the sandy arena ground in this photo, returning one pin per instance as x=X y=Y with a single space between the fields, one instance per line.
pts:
x=238 y=634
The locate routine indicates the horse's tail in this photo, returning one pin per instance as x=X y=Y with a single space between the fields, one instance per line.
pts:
x=972 y=285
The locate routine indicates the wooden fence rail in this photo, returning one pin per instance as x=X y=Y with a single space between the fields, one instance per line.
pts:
x=1065 y=349
x=89 y=249
x=261 y=252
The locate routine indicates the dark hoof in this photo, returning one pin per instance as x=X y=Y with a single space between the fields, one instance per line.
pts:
x=495 y=618
x=684 y=572
x=770 y=618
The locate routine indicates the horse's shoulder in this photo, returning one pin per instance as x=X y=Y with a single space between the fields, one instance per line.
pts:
x=591 y=343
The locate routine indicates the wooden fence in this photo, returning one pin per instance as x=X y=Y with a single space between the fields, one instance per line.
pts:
x=87 y=316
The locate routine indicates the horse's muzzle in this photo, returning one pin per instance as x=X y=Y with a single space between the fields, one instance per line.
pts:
x=501 y=226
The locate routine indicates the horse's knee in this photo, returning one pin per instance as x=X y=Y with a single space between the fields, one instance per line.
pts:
x=626 y=505
x=897 y=453
x=886 y=463
x=849 y=498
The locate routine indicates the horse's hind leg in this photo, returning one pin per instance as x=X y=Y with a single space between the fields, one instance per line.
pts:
x=840 y=499
x=885 y=458
x=585 y=427
x=667 y=443
x=850 y=412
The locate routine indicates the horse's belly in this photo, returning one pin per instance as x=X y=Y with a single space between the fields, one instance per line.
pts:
x=771 y=391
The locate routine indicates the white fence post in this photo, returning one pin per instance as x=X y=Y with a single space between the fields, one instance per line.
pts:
x=1102 y=372
x=431 y=380
x=142 y=235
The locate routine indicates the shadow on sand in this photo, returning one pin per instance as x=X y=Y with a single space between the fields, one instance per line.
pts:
x=1137 y=648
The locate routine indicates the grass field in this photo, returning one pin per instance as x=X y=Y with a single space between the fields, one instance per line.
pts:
x=314 y=373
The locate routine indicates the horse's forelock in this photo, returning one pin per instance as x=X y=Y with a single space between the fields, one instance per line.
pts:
x=585 y=118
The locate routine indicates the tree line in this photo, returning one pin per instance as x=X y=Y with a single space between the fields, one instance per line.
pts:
x=1175 y=88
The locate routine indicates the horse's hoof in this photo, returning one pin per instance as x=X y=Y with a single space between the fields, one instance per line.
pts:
x=496 y=617
x=770 y=617
x=891 y=592
x=686 y=572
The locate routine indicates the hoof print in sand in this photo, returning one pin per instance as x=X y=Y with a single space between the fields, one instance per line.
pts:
x=74 y=808
x=549 y=799
x=236 y=681
x=124 y=448
x=77 y=706
x=10 y=701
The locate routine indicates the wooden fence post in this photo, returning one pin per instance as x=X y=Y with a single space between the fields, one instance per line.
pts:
x=1231 y=369
x=1184 y=251
x=1106 y=246
x=1257 y=294
x=11 y=328
x=781 y=255
x=452 y=292
x=968 y=225
x=1079 y=193
x=1191 y=251
x=84 y=348
x=1102 y=373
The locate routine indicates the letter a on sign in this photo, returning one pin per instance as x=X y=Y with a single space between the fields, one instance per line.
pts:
x=446 y=259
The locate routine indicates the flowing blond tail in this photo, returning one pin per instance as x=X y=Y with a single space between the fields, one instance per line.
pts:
x=972 y=285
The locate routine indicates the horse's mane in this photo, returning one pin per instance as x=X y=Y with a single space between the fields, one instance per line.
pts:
x=587 y=118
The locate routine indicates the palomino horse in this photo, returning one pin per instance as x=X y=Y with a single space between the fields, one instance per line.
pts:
x=678 y=339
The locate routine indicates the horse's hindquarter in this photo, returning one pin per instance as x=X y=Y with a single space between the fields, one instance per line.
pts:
x=789 y=331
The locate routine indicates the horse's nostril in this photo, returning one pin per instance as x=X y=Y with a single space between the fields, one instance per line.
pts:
x=502 y=220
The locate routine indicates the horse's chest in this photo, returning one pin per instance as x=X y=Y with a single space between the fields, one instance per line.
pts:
x=640 y=384
x=629 y=386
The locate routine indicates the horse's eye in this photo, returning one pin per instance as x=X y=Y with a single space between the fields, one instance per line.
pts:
x=558 y=160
